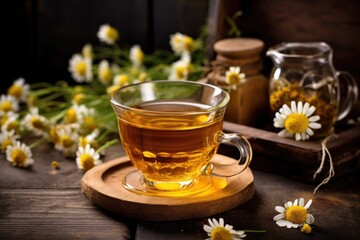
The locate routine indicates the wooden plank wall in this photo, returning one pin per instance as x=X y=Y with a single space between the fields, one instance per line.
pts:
x=43 y=34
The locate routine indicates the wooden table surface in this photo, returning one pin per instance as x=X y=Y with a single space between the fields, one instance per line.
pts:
x=38 y=203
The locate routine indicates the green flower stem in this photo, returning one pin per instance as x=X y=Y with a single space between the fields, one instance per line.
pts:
x=255 y=231
x=36 y=143
x=107 y=144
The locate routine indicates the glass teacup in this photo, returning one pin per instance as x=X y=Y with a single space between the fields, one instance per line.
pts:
x=171 y=131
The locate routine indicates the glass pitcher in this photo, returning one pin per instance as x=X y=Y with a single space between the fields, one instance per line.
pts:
x=303 y=71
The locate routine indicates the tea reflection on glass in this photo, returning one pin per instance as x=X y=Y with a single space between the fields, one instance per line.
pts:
x=171 y=130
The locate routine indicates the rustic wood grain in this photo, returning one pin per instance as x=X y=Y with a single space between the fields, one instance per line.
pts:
x=299 y=159
x=55 y=214
x=336 y=208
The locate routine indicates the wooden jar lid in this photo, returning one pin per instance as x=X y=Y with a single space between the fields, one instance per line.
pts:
x=239 y=47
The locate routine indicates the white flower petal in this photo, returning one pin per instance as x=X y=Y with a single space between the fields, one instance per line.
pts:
x=216 y=223
x=305 y=108
x=310 y=219
x=280 y=209
x=299 y=107
x=283 y=133
x=310 y=111
x=286 y=109
x=314 y=118
x=308 y=204
x=315 y=125
x=309 y=131
x=282 y=223
x=207 y=228
x=301 y=202
x=296 y=202
x=221 y=222
x=297 y=136
x=289 y=204
x=293 y=107
x=211 y=223
x=279 y=216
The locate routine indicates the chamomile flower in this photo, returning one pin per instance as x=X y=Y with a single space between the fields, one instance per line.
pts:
x=19 y=155
x=90 y=139
x=136 y=55
x=108 y=34
x=87 y=158
x=36 y=123
x=19 y=89
x=104 y=73
x=294 y=214
x=80 y=68
x=233 y=77
x=216 y=230
x=297 y=120
x=7 y=138
x=89 y=119
x=8 y=103
x=67 y=141
x=87 y=51
x=121 y=80
x=11 y=123
x=73 y=114
x=180 y=70
x=181 y=43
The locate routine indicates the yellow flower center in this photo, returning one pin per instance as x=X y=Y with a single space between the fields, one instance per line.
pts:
x=105 y=75
x=18 y=157
x=296 y=123
x=6 y=106
x=306 y=228
x=87 y=161
x=66 y=141
x=180 y=72
x=53 y=135
x=296 y=214
x=189 y=43
x=15 y=91
x=5 y=144
x=4 y=119
x=71 y=116
x=233 y=78
x=79 y=98
x=55 y=165
x=81 y=68
x=83 y=141
x=220 y=233
x=37 y=123
x=122 y=80
x=13 y=126
x=140 y=56
x=112 y=33
x=90 y=124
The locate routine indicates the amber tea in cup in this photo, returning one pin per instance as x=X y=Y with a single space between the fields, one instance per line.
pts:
x=171 y=130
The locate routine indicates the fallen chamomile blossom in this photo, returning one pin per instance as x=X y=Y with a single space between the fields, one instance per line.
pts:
x=233 y=77
x=294 y=214
x=216 y=230
x=87 y=158
x=19 y=155
x=297 y=120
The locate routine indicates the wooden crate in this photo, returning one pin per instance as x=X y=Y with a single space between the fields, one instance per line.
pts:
x=298 y=159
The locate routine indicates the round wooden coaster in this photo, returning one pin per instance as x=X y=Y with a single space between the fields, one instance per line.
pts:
x=103 y=185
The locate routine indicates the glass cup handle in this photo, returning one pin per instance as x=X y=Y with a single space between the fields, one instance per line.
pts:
x=351 y=95
x=226 y=166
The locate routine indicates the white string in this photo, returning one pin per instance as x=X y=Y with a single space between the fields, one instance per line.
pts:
x=331 y=173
